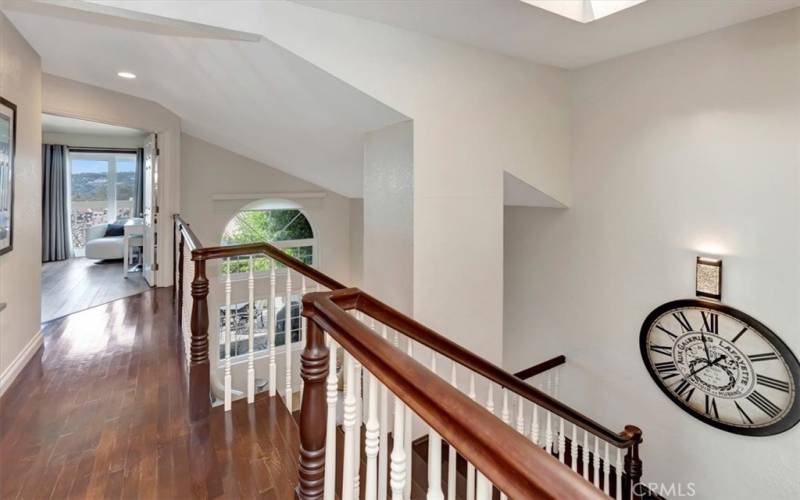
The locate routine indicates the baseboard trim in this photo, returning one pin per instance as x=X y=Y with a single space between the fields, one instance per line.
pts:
x=13 y=370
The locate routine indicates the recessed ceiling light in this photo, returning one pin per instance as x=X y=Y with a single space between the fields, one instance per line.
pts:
x=584 y=11
x=126 y=74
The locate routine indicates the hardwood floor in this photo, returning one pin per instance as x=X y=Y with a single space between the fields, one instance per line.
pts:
x=73 y=285
x=101 y=412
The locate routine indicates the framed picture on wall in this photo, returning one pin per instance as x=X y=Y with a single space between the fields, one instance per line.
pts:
x=8 y=127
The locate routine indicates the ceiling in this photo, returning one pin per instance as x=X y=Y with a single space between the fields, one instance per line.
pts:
x=239 y=92
x=62 y=125
x=521 y=30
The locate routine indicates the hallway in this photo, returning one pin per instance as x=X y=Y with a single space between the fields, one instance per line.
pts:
x=101 y=412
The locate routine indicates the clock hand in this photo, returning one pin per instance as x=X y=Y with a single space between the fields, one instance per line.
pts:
x=708 y=365
x=705 y=344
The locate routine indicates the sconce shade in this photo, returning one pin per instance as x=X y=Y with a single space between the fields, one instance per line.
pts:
x=708 y=281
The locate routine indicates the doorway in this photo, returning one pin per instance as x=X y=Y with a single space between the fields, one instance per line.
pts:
x=99 y=187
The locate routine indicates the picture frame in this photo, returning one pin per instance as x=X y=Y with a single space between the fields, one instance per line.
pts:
x=8 y=150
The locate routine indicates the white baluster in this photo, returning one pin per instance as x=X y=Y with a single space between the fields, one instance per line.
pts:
x=228 y=321
x=330 y=432
x=596 y=461
x=562 y=442
x=619 y=474
x=349 y=463
x=451 y=450
x=548 y=433
x=490 y=399
x=251 y=368
x=470 y=467
x=573 y=449
x=383 y=454
x=372 y=441
x=408 y=430
x=434 y=455
x=398 y=468
x=586 y=455
x=484 y=488
x=357 y=368
x=606 y=473
x=287 y=339
x=273 y=367
x=505 y=416
x=520 y=415
x=535 y=425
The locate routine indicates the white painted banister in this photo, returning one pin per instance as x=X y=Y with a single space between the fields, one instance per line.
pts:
x=273 y=367
x=471 y=468
x=228 y=321
x=619 y=474
x=408 y=422
x=520 y=415
x=372 y=441
x=303 y=323
x=383 y=412
x=606 y=473
x=548 y=433
x=562 y=442
x=434 y=455
x=251 y=368
x=573 y=449
x=586 y=455
x=596 y=461
x=287 y=339
x=398 y=466
x=505 y=416
x=349 y=463
x=535 y=425
x=357 y=371
x=332 y=397
x=451 y=450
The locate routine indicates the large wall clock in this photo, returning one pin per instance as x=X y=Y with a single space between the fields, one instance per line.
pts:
x=722 y=366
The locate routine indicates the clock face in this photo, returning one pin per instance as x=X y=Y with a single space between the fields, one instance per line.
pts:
x=722 y=366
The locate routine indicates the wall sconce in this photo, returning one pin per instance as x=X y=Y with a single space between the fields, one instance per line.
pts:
x=708 y=278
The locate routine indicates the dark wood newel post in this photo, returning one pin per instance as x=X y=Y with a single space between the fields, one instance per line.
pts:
x=313 y=414
x=633 y=464
x=199 y=376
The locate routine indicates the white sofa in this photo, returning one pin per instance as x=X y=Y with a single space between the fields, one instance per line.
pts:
x=102 y=247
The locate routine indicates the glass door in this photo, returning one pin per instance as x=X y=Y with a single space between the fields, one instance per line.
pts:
x=101 y=191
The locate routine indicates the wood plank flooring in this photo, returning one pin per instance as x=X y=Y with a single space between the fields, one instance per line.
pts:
x=72 y=285
x=101 y=412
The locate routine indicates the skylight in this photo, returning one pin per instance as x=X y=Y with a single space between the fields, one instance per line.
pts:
x=584 y=11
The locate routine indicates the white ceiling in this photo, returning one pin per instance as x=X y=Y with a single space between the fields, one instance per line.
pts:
x=63 y=125
x=242 y=93
x=521 y=30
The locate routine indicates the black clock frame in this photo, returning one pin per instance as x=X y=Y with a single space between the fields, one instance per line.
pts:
x=792 y=417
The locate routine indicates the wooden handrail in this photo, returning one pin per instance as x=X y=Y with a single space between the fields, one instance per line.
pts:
x=424 y=335
x=514 y=464
x=541 y=367
x=191 y=239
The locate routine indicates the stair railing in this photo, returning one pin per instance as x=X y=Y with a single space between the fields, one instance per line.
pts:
x=591 y=450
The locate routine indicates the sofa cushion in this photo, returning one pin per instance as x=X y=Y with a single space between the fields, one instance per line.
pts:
x=110 y=247
x=115 y=230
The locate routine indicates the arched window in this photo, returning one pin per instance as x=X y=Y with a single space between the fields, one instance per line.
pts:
x=280 y=223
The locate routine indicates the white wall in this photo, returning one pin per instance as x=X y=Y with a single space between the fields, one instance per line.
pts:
x=208 y=171
x=20 y=269
x=72 y=99
x=356 y=242
x=476 y=114
x=93 y=140
x=389 y=215
x=681 y=150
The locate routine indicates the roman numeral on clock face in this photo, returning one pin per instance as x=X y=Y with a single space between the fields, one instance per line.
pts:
x=745 y=417
x=680 y=317
x=684 y=388
x=764 y=404
x=661 y=349
x=710 y=322
x=711 y=406
x=762 y=357
x=667 y=331
x=772 y=383
x=667 y=369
